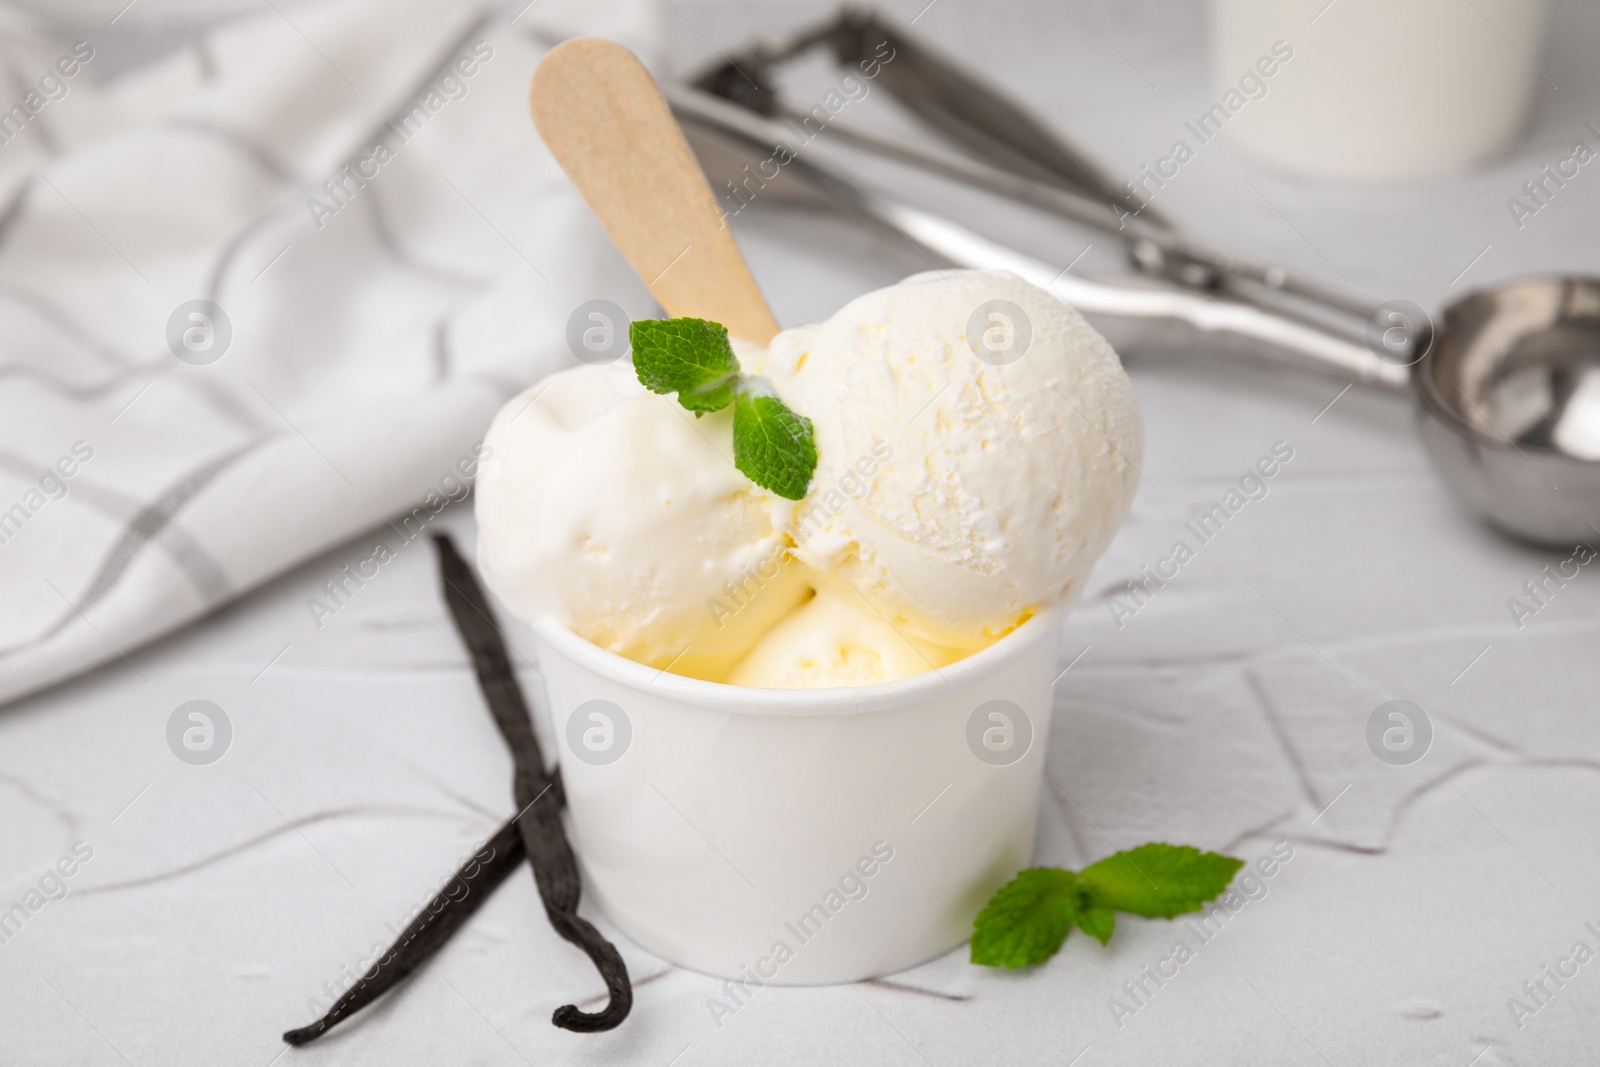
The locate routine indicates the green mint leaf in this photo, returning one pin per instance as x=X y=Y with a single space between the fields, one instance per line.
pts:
x=1026 y=921
x=772 y=445
x=1158 y=880
x=1097 y=921
x=690 y=357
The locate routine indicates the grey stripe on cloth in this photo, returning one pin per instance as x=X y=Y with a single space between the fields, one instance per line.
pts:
x=49 y=382
x=183 y=550
x=245 y=145
x=13 y=209
x=64 y=322
x=149 y=521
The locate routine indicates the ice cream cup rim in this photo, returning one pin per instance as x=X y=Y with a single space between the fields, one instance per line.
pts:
x=841 y=701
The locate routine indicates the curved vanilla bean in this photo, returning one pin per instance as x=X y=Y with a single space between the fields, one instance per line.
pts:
x=440 y=918
x=555 y=869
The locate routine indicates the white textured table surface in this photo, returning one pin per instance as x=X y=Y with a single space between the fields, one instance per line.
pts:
x=1230 y=713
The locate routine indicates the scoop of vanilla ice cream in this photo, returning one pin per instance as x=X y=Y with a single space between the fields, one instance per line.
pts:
x=960 y=485
x=618 y=513
x=835 y=639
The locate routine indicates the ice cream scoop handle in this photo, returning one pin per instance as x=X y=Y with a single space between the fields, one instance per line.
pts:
x=1142 y=314
x=1137 y=314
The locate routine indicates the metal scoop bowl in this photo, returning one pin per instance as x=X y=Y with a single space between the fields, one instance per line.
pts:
x=1509 y=398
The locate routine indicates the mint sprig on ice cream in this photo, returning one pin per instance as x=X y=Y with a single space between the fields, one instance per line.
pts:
x=772 y=445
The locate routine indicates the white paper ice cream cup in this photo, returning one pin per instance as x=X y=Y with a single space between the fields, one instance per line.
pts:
x=801 y=837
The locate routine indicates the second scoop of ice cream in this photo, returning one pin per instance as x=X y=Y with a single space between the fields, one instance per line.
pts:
x=978 y=448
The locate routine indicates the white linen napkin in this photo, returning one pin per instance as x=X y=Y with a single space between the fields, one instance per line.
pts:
x=377 y=303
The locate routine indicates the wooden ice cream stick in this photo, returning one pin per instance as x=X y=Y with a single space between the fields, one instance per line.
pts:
x=606 y=122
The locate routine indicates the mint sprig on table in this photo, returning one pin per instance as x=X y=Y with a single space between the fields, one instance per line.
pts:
x=772 y=445
x=1026 y=921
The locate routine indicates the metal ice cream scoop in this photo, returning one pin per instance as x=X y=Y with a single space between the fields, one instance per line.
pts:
x=1506 y=383
x=1509 y=397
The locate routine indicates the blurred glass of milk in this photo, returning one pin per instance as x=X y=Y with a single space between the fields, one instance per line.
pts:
x=1376 y=89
